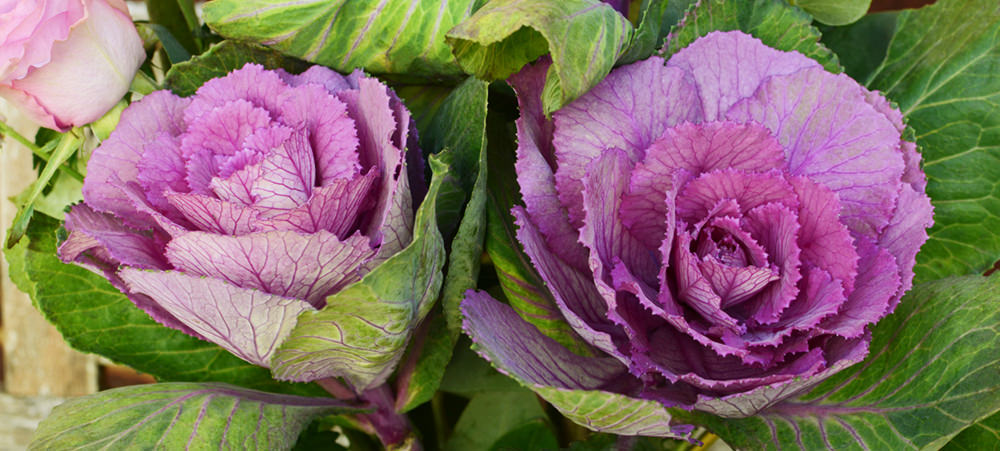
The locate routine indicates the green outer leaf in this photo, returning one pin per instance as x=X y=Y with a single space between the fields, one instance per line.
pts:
x=459 y=124
x=93 y=316
x=176 y=52
x=370 y=322
x=468 y=374
x=169 y=15
x=982 y=436
x=776 y=23
x=834 y=12
x=222 y=58
x=179 y=415
x=605 y=411
x=490 y=416
x=943 y=69
x=381 y=36
x=522 y=286
x=931 y=372
x=650 y=33
x=584 y=37
x=862 y=45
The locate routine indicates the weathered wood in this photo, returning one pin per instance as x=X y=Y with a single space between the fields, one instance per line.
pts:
x=36 y=361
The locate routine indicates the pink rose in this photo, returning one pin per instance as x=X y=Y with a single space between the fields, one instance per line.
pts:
x=65 y=63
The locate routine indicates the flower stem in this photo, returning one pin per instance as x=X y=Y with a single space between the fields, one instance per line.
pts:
x=6 y=130
x=392 y=428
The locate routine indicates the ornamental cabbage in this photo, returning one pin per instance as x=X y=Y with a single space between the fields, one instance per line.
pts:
x=227 y=214
x=719 y=230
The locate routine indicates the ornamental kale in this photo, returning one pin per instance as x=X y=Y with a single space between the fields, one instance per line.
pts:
x=720 y=229
x=229 y=213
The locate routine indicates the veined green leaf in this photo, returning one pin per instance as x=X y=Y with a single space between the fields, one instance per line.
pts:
x=182 y=415
x=94 y=316
x=931 y=372
x=982 y=436
x=834 y=12
x=861 y=46
x=774 y=22
x=460 y=125
x=380 y=36
x=222 y=58
x=492 y=416
x=943 y=70
x=584 y=37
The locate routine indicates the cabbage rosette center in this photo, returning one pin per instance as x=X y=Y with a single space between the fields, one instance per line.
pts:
x=719 y=229
x=227 y=214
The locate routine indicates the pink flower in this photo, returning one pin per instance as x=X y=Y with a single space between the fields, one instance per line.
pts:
x=65 y=63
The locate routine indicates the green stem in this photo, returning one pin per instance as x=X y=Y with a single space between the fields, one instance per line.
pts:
x=440 y=422
x=7 y=130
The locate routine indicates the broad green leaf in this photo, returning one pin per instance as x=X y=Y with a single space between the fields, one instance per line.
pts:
x=834 y=12
x=607 y=442
x=584 y=37
x=93 y=316
x=943 y=70
x=535 y=434
x=521 y=284
x=982 y=436
x=656 y=17
x=423 y=101
x=460 y=125
x=222 y=58
x=931 y=372
x=468 y=374
x=774 y=22
x=381 y=36
x=176 y=52
x=491 y=416
x=168 y=15
x=613 y=412
x=861 y=46
x=182 y=415
x=650 y=33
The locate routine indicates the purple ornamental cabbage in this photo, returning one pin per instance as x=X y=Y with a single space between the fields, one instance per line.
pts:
x=720 y=229
x=228 y=213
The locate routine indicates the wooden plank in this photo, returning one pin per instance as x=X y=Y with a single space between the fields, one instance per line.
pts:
x=36 y=361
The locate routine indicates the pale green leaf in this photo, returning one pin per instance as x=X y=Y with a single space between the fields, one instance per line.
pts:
x=834 y=12
x=182 y=416
x=584 y=37
x=380 y=36
x=458 y=124
x=491 y=416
